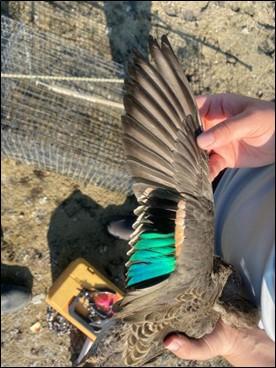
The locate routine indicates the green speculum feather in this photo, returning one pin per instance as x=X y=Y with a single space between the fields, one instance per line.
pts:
x=156 y=236
x=154 y=243
x=151 y=253
x=154 y=259
x=154 y=256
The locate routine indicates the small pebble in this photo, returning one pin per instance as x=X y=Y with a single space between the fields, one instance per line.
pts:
x=43 y=200
x=234 y=6
x=231 y=60
x=260 y=93
x=38 y=299
x=36 y=327
x=245 y=30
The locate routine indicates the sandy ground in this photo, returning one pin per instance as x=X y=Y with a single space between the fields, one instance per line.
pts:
x=49 y=220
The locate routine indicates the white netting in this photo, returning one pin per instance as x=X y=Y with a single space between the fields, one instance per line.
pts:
x=61 y=106
x=62 y=93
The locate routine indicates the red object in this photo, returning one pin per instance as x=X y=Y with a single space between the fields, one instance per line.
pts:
x=104 y=301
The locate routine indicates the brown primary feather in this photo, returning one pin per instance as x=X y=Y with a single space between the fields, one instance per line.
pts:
x=171 y=69
x=172 y=113
x=160 y=127
x=137 y=111
x=149 y=71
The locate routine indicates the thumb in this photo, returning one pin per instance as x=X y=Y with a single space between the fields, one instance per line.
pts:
x=189 y=349
x=235 y=128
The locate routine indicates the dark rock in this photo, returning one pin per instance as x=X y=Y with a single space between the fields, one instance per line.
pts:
x=260 y=93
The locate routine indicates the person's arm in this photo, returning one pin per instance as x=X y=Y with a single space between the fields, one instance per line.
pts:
x=239 y=131
x=241 y=348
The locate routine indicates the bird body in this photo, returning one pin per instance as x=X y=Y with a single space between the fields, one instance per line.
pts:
x=175 y=282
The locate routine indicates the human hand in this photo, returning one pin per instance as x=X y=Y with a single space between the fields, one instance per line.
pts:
x=239 y=131
x=241 y=347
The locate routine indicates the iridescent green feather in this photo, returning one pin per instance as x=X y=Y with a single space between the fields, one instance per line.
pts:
x=151 y=253
x=154 y=243
x=156 y=235
x=154 y=256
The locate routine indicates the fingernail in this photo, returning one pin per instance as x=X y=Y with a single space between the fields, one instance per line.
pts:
x=173 y=344
x=205 y=140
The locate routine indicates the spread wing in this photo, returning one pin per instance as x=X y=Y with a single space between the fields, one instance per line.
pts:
x=170 y=172
x=171 y=184
x=160 y=126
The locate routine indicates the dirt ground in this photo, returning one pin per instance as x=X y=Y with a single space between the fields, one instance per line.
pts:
x=49 y=220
